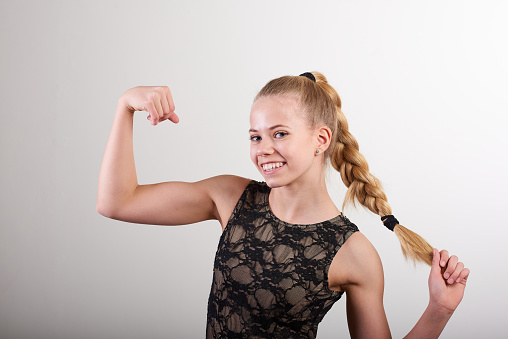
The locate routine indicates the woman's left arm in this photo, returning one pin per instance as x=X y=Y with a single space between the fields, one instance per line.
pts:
x=358 y=271
x=446 y=291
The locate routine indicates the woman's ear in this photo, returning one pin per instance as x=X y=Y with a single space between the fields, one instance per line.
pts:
x=324 y=137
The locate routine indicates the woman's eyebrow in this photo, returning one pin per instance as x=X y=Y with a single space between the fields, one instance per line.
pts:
x=271 y=128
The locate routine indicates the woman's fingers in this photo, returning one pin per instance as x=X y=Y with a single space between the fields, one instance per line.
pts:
x=444 y=258
x=464 y=274
x=152 y=110
x=169 y=98
x=435 y=268
x=174 y=118
x=166 y=109
x=447 y=289
x=453 y=270
x=455 y=274
x=161 y=92
x=450 y=267
x=171 y=116
x=156 y=100
x=158 y=105
x=167 y=106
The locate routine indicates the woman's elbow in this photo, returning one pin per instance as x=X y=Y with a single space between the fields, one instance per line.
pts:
x=105 y=209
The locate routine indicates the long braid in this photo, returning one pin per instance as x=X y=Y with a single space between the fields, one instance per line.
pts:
x=365 y=188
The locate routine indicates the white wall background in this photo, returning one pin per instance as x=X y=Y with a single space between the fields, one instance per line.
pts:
x=424 y=88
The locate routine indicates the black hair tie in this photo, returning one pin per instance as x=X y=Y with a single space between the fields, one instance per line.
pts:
x=389 y=221
x=309 y=75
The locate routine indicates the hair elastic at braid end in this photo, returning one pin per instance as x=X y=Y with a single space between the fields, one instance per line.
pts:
x=389 y=221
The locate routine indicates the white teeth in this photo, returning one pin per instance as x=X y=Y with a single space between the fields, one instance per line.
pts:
x=271 y=166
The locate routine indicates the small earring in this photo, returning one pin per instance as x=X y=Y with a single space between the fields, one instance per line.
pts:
x=317 y=151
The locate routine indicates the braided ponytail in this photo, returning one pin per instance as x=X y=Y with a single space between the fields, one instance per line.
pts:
x=363 y=186
x=322 y=104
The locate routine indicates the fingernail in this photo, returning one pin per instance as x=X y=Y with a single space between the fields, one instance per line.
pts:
x=450 y=281
x=458 y=279
x=446 y=275
x=442 y=263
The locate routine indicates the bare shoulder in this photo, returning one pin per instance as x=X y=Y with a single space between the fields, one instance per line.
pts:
x=357 y=270
x=356 y=263
x=226 y=182
x=225 y=191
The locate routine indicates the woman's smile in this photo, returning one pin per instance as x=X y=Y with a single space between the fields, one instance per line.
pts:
x=271 y=167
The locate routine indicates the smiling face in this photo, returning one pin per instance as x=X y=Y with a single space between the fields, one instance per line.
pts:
x=282 y=144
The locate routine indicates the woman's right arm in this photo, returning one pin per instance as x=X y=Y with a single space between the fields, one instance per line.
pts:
x=170 y=203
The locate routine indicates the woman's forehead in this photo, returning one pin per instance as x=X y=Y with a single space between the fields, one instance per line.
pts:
x=273 y=108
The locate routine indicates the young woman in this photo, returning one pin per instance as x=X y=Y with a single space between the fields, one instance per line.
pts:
x=286 y=253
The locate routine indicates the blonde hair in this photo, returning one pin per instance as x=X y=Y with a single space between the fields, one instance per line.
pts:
x=321 y=104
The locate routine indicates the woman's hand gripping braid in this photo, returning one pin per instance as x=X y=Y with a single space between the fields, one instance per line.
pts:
x=447 y=281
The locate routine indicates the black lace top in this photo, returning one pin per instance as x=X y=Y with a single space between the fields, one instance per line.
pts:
x=270 y=278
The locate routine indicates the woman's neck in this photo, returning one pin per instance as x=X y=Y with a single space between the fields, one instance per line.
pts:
x=307 y=203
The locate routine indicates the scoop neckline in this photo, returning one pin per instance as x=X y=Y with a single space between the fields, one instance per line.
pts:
x=267 y=204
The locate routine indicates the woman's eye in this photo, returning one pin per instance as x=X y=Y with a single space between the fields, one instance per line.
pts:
x=280 y=134
x=254 y=138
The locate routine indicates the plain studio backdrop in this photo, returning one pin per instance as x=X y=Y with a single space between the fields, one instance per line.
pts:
x=423 y=86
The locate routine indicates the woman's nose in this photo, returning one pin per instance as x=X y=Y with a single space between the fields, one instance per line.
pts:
x=265 y=148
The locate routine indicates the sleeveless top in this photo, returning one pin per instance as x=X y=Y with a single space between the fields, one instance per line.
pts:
x=270 y=277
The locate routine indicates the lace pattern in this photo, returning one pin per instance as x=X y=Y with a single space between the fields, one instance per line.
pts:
x=270 y=278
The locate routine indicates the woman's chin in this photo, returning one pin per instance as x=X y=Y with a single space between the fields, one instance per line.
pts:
x=274 y=183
